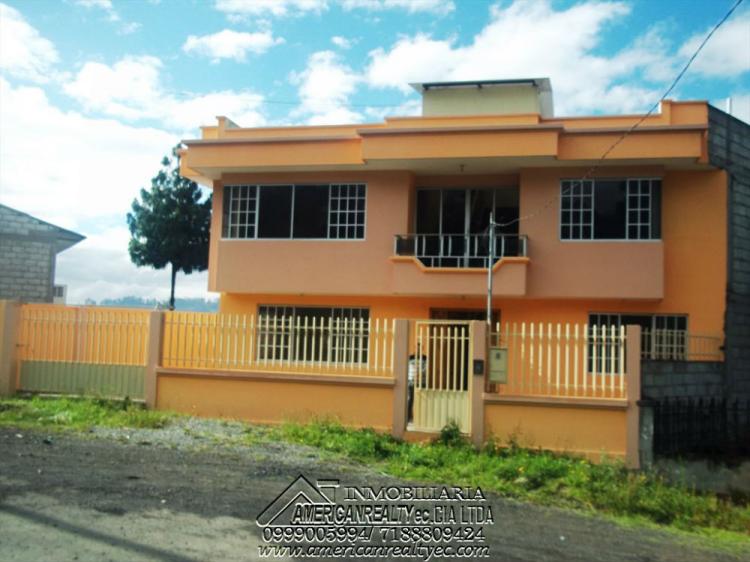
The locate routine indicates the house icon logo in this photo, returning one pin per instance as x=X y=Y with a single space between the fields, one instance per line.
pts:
x=300 y=492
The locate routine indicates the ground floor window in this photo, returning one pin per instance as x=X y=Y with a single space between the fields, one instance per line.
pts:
x=663 y=336
x=317 y=334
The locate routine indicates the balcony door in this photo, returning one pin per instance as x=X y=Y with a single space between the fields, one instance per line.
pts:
x=452 y=224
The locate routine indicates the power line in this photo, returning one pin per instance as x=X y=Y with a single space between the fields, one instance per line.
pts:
x=637 y=124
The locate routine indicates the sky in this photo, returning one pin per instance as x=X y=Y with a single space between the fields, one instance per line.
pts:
x=93 y=93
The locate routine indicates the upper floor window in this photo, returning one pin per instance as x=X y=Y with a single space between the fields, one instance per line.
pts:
x=335 y=211
x=610 y=209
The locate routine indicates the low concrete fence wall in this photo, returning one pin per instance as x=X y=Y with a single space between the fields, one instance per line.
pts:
x=590 y=428
x=278 y=397
x=672 y=379
x=210 y=367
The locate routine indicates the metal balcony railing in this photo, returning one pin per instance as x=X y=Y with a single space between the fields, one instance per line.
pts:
x=458 y=250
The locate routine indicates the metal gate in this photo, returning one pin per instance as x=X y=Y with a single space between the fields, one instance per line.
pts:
x=440 y=374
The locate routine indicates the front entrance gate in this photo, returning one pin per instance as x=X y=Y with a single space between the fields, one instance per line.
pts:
x=439 y=374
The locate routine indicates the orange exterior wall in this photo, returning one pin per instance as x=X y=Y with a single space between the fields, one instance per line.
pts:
x=684 y=273
x=315 y=266
x=276 y=401
x=591 y=432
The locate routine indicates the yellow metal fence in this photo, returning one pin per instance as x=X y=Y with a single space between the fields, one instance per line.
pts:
x=195 y=340
x=562 y=360
x=83 y=335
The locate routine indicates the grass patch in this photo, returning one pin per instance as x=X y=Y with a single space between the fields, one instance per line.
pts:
x=78 y=413
x=538 y=476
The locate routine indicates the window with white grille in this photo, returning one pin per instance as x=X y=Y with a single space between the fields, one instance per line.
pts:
x=323 y=211
x=577 y=210
x=346 y=211
x=610 y=209
x=313 y=334
x=240 y=211
x=663 y=336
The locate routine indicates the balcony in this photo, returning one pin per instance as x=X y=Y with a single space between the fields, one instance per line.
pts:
x=456 y=265
x=459 y=250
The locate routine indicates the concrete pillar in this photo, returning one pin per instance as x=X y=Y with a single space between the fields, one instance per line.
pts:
x=400 y=377
x=153 y=355
x=633 y=384
x=10 y=312
x=477 y=381
x=646 y=435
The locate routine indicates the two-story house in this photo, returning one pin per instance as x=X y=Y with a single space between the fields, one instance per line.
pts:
x=391 y=219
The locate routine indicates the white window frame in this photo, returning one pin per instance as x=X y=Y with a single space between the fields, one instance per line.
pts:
x=341 y=228
x=277 y=338
x=676 y=349
x=638 y=224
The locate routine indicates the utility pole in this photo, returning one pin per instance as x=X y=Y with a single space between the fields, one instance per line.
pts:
x=490 y=263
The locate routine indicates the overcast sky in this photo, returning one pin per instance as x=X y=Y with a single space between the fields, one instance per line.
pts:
x=94 y=92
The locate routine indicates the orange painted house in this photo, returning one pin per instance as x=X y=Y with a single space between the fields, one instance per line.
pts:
x=390 y=220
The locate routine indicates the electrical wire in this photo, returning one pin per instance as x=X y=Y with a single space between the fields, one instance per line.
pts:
x=637 y=124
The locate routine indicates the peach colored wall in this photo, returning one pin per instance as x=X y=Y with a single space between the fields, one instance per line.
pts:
x=557 y=269
x=592 y=432
x=583 y=269
x=410 y=277
x=265 y=401
x=474 y=144
x=310 y=266
x=702 y=320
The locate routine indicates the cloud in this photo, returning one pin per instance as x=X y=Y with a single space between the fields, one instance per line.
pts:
x=25 y=53
x=104 y=5
x=727 y=54
x=68 y=167
x=100 y=267
x=533 y=39
x=237 y=10
x=324 y=88
x=411 y=6
x=125 y=28
x=128 y=28
x=228 y=44
x=411 y=107
x=240 y=9
x=131 y=89
x=341 y=42
x=740 y=106
x=83 y=181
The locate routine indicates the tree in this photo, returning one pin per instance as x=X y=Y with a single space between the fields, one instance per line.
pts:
x=170 y=224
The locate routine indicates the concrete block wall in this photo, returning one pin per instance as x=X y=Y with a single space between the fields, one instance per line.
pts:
x=729 y=148
x=27 y=254
x=670 y=379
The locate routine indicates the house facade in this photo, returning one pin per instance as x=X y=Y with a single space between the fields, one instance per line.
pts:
x=390 y=220
x=28 y=254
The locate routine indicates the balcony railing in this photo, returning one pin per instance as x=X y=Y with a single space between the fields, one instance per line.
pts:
x=458 y=250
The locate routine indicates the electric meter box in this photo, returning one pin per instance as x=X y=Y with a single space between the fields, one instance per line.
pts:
x=498 y=365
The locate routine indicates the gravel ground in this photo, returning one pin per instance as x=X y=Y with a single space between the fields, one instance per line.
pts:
x=192 y=491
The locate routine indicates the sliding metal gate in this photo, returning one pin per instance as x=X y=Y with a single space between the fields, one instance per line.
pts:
x=441 y=374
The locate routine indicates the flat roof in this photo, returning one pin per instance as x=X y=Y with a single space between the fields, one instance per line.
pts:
x=542 y=83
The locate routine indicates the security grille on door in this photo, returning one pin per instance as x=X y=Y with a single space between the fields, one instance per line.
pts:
x=441 y=393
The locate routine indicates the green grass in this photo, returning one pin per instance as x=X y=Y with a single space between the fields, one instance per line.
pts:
x=78 y=413
x=537 y=476
x=541 y=477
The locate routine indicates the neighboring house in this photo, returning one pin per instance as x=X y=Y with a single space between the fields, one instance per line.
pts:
x=28 y=251
x=391 y=219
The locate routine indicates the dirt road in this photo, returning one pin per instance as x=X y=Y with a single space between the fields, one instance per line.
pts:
x=119 y=496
